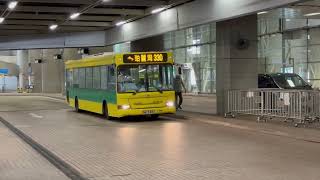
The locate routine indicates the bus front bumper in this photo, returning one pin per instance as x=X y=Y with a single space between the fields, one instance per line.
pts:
x=140 y=112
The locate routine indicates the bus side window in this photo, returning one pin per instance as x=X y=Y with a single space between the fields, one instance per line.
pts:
x=96 y=78
x=69 y=78
x=111 y=78
x=76 y=78
x=82 y=78
x=104 y=77
x=89 y=77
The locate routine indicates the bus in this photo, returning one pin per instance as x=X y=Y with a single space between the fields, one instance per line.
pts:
x=120 y=85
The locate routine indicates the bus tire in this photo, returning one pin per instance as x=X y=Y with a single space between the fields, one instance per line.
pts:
x=105 y=111
x=68 y=99
x=76 y=105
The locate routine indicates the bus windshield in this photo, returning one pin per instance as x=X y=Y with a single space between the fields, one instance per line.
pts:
x=145 y=78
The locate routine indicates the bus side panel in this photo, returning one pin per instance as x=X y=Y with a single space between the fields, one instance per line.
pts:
x=92 y=99
x=111 y=98
x=70 y=91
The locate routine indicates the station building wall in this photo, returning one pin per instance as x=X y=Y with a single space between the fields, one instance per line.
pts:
x=290 y=45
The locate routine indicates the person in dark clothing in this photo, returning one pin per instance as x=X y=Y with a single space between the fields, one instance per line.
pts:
x=178 y=85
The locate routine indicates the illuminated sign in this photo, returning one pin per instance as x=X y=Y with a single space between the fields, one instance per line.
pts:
x=145 y=58
x=4 y=71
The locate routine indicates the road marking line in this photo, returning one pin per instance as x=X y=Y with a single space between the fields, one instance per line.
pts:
x=35 y=115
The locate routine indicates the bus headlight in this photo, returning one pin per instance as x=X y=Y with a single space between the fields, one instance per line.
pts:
x=170 y=104
x=124 y=107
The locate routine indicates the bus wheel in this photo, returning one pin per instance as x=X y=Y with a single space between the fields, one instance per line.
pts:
x=76 y=105
x=105 y=111
x=68 y=99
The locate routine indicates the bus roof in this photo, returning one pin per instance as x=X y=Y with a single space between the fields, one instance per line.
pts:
x=90 y=61
x=113 y=58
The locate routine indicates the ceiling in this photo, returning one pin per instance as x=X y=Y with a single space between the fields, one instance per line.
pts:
x=35 y=16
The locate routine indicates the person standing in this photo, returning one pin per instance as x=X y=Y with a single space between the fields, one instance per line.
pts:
x=178 y=85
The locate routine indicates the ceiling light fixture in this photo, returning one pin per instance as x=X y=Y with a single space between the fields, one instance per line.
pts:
x=74 y=15
x=53 y=27
x=120 y=23
x=1 y=19
x=157 y=10
x=12 y=5
x=312 y=14
x=262 y=12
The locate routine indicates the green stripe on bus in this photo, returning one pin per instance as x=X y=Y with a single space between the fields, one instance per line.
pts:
x=93 y=95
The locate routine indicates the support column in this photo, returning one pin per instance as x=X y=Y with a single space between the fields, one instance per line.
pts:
x=237 y=59
x=22 y=62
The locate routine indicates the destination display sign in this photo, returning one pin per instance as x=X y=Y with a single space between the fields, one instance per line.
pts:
x=145 y=58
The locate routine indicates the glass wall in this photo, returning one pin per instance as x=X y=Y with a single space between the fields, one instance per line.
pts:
x=195 y=52
x=291 y=47
x=122 y=47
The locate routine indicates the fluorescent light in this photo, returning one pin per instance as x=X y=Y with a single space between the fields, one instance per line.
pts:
x=120 y=23
x=74 y=15
x=157 y=10
x=312 y=14
x=262 y=12
x=1 y=19
x=12 y=4
x=106 y=1
x=53 y=27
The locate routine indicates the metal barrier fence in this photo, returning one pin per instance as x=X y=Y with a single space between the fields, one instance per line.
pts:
x=299 y=106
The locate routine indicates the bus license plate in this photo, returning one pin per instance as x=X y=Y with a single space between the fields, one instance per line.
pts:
x=149 y=112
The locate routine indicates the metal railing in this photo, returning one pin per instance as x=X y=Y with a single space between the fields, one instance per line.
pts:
x=299 y=106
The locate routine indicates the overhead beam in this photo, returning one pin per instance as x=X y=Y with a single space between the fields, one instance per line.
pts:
x=112 y=3
x=20 y=27
x=40 y=27
x=69 y=23
x=10 y=32
x=61 y=17
x=80 y=28
x=70 y=10
x=87 y=23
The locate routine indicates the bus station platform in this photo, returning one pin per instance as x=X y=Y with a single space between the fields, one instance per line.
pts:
x=42 y=138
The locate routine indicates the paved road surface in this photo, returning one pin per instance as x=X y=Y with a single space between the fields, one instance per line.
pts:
x=164 y=149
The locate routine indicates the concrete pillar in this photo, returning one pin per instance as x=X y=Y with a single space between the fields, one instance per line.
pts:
x=49 y=76
x=237 y=59
x=154 y=43
x=52 y=71
x=22 y=62
x=37 y=69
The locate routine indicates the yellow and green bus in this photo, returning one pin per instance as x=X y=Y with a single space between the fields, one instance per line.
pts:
x=120 y=85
